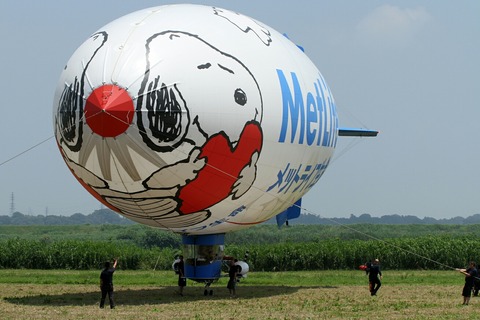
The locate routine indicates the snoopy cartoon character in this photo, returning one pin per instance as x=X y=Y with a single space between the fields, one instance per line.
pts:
x=177 y=119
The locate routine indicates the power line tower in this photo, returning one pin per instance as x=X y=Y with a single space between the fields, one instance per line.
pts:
x=12 y=204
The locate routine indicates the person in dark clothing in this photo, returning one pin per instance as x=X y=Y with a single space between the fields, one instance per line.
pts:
x=471 y=274
x=232 y=282
x=106 y=283
x=476 y=286
x=182 y=281
x=374 y=277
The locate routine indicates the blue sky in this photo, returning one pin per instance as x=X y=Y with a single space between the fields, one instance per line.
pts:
x=407 y=68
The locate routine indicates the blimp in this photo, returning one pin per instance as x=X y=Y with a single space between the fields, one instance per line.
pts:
x=198 y=120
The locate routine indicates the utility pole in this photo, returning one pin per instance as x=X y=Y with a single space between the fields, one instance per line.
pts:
x=12 y=204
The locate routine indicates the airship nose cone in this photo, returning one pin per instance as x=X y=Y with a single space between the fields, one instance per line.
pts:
x=109 y=110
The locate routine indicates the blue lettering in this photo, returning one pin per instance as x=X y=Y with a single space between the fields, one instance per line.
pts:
x=312 y=117
x=237 y=211
x=294 y=109
x=299 y=178
x=321 y=110
x=217 y=222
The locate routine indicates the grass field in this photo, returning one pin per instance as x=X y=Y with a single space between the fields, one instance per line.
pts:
x=40 y=294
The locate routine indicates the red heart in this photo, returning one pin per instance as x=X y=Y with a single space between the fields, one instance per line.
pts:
x=223 y=166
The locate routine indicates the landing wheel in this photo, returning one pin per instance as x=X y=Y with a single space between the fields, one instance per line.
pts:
x=211 y=292
x=205 y=293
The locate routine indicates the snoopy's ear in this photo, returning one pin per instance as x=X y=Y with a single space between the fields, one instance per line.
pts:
x=162 y=116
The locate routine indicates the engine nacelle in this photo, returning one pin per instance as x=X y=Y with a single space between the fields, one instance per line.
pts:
x=243 y=268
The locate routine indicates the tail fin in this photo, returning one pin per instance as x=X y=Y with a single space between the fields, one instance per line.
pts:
x=356 y=132
x=291 y=213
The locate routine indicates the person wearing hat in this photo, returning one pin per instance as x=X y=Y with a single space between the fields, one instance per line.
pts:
x=374 y=277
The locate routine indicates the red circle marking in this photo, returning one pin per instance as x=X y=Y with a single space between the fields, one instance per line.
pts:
x=109 y=110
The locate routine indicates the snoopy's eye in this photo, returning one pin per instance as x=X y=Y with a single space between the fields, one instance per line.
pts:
x=240 y=97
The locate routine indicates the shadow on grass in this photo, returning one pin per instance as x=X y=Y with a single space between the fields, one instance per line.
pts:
x=161 y=295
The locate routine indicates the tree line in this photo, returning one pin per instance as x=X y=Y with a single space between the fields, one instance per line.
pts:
x=107 y=216
x=102 y=216
x=148 y=237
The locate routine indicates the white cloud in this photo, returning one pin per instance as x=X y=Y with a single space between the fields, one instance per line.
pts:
x=389 y=24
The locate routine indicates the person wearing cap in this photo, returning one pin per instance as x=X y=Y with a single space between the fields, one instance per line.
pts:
x=374 y=277
x=471 y=274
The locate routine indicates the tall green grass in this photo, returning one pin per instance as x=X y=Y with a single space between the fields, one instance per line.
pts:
x=433 y=253
x=430 y=252
x=81 y=255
